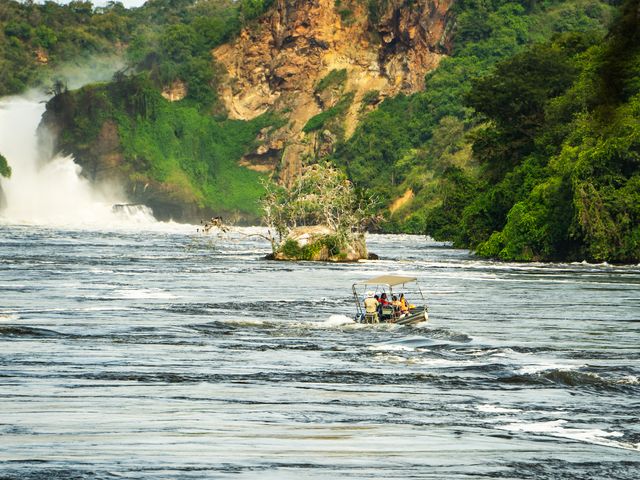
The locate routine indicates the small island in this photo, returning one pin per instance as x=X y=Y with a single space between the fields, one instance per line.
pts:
x=319 y=217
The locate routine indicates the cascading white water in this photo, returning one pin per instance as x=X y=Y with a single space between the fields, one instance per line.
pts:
x=51 y=192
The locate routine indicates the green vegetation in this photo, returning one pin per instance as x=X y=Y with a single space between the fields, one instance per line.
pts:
x=323 y=196
x=487 y=32
x=372 y=97
x=170 y=38
x=181 y=157
x=524 y=145
x=177 y=46
x=335 y=78
x=320 y=120
x=516 y=148
x=35 y=38
x=574 y=182
x=5 y=169
x=310 y=251
x=191 y=154
x=252 y=9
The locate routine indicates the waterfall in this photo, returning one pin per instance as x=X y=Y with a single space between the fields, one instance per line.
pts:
x=45 y=190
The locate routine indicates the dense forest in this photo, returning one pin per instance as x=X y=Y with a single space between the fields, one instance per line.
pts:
x=165 y=36
x=531 y=155
x=523 y=145
x=36 y=38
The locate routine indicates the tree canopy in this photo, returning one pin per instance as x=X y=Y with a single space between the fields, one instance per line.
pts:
x=5 y=169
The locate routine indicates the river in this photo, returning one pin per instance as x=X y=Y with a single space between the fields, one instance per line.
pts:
x=157 y=353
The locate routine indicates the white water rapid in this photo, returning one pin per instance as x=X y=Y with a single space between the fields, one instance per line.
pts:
x=50 y=191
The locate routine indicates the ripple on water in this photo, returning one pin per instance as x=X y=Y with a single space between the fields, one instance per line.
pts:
x=165 y=358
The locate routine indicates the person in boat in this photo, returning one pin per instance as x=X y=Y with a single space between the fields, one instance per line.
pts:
x=371 y=307
x=404 y=305
x=384 y=302
x=397 y=310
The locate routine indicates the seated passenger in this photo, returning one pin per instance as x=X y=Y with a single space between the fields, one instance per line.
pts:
x=404 y=305
x=395 y=302
x=383 y=300
x=397 y=311
x=371 y=308
x=386 y=310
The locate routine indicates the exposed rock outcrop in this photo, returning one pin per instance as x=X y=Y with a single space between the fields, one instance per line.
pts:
x=279 y=63
x=175 y=92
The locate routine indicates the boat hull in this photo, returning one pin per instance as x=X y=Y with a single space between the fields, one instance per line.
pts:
x=411 y=319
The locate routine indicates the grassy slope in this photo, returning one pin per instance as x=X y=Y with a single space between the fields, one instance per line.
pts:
x=190 y=156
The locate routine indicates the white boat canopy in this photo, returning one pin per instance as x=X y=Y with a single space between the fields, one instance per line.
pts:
x=391 y=280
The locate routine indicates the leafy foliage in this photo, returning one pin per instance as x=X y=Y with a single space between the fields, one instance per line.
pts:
x=573 y=193
x=251 y=9
x=481 y=147
x=35 y=37
x=186 y=149
x=320 y=120
x=524 y=145
x=170 y=38
x=487 y=31
x=333 y=78
x=5 y=169
x=191 y=154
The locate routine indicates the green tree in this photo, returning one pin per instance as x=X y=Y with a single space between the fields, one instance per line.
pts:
x=5 y=169
x=251 y=9
x=513 y=99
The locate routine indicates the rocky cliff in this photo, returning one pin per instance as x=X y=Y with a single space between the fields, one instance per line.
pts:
x=322 y=63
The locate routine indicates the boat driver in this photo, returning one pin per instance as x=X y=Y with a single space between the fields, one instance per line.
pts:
x=371 y=306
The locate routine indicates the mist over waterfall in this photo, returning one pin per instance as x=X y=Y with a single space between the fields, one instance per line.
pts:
x=45 y=190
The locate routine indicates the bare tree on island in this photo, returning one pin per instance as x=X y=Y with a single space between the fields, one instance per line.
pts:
x=319 y=217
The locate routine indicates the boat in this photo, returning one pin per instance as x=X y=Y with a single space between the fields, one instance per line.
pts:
x=388 y=314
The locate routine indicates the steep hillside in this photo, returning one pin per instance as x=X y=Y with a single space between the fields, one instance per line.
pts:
x=506 y=126
x=322 y=64
x=423 y=142
x=571 y=187
x=36 y=38
x=158 y=128
x=313 y=68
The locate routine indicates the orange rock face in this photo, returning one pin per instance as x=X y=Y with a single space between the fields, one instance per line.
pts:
x=277 y=63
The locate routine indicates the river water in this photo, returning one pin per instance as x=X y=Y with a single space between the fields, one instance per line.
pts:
x=158 y=353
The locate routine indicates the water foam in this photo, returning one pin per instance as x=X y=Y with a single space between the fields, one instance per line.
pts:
x=495 y=409
x=391 y=348
x=337 y=321
x=144 y=293
x=546 y=367
x=556 y=428
x=48 y=191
